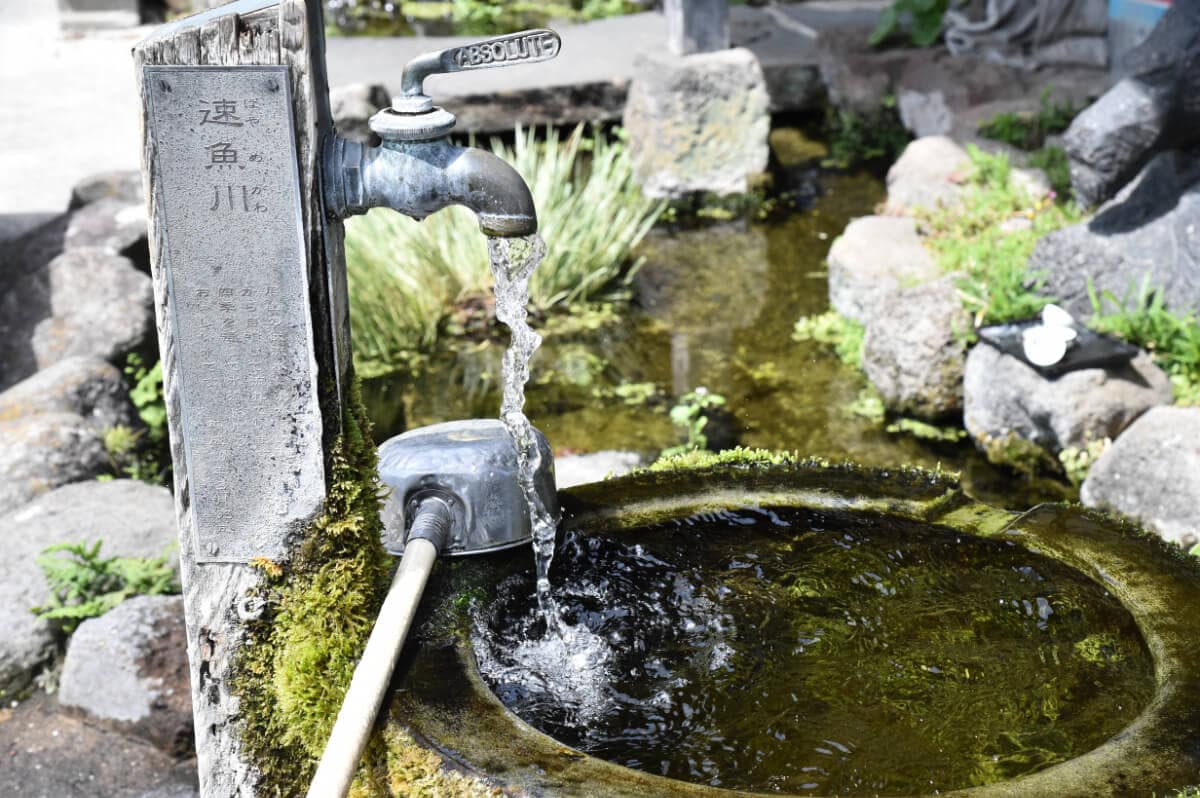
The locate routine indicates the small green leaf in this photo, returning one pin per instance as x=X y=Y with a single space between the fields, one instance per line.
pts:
x=889 y=18
x=926 y=29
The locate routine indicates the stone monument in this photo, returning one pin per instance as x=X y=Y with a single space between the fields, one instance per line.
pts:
x=697 y=114
x=253 y=326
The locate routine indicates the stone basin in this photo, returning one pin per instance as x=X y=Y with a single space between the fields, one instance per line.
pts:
x=440 y=697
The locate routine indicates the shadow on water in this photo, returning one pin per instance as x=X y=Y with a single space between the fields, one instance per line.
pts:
x=715 y=307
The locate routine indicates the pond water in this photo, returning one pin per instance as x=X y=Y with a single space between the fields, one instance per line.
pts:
x=810 y=653
x=713 y=306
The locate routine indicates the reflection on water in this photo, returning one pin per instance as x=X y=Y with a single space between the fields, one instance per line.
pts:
x=789 y=651
x=713 y=307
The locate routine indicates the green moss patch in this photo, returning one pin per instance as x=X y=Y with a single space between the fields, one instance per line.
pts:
x=292 y=673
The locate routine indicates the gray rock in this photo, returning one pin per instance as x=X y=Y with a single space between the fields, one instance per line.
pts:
x=929 y=174
x=1152 y=109
x=128 y=670
x=133 y=519
x=1111 y=139
x=697 y=123
x=873 y=258
x=109 y=224
x=86 y=386
x=43 y=451
x=125 y=186
x=914 y=350
x=1152 y=473
x=51 y=752
x=1149 y=231
x=925 y=114
x=354 y=105
x=1003 y=397
x=580 y=469
x=84 y=302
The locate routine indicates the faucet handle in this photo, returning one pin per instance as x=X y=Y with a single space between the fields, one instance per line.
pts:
x=514 y=49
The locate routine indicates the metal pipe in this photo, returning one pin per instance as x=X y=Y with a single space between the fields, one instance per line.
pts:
x=418 y=178
x=356 y=718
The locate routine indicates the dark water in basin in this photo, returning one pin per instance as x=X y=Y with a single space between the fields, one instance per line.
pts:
x=796 y=652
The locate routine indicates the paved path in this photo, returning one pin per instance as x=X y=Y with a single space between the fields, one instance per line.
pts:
x=71 y=109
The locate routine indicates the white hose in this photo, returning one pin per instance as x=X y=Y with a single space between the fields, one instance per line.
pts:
x=374 y=671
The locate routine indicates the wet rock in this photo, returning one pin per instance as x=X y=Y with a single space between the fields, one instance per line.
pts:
x=1152 y=473
x=580 y=469
x=354 y=105
x=871 y=260
x=914 y=350
x=1149 y=231
x=1152 y=109
x=85 y=386
x=1003 y=398
x=128 y=670
x=133 y=519
x=49 y=752
x=109 y=224
x=697 y=123
x=83 y=302
x=930 y=173
x=122 y=185
x=44 y=451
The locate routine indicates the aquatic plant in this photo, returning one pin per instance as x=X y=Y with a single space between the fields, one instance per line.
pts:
x=831 y=328
x=856 y=138
x=1028 y=131
x=85 y=585
x=691 y=416
x=926 y=431
x=1142 y=318
x=407 y=277
x=989 y=237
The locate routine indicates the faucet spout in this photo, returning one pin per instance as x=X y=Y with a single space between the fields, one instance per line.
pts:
x=419 y=178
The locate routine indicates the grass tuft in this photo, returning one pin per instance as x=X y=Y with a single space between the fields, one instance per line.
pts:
x=988 y=240
x=1141 y=318
x=1028 y=131
x=407 y=277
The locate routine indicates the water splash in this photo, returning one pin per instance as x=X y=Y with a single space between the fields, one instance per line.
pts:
x=513 y=261
x=568 y=655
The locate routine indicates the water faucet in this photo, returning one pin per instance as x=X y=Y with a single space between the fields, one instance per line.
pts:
x=416 y=170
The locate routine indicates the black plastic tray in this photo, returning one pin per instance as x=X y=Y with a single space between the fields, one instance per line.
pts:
x=1089 y=350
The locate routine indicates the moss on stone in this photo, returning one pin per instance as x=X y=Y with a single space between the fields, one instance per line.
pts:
x=294 y=670
x=298 y=659
x=737 y=456
x=1019 y=454
x=400 y=766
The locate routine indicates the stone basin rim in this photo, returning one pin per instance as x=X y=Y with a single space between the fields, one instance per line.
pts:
x=1157 y=752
